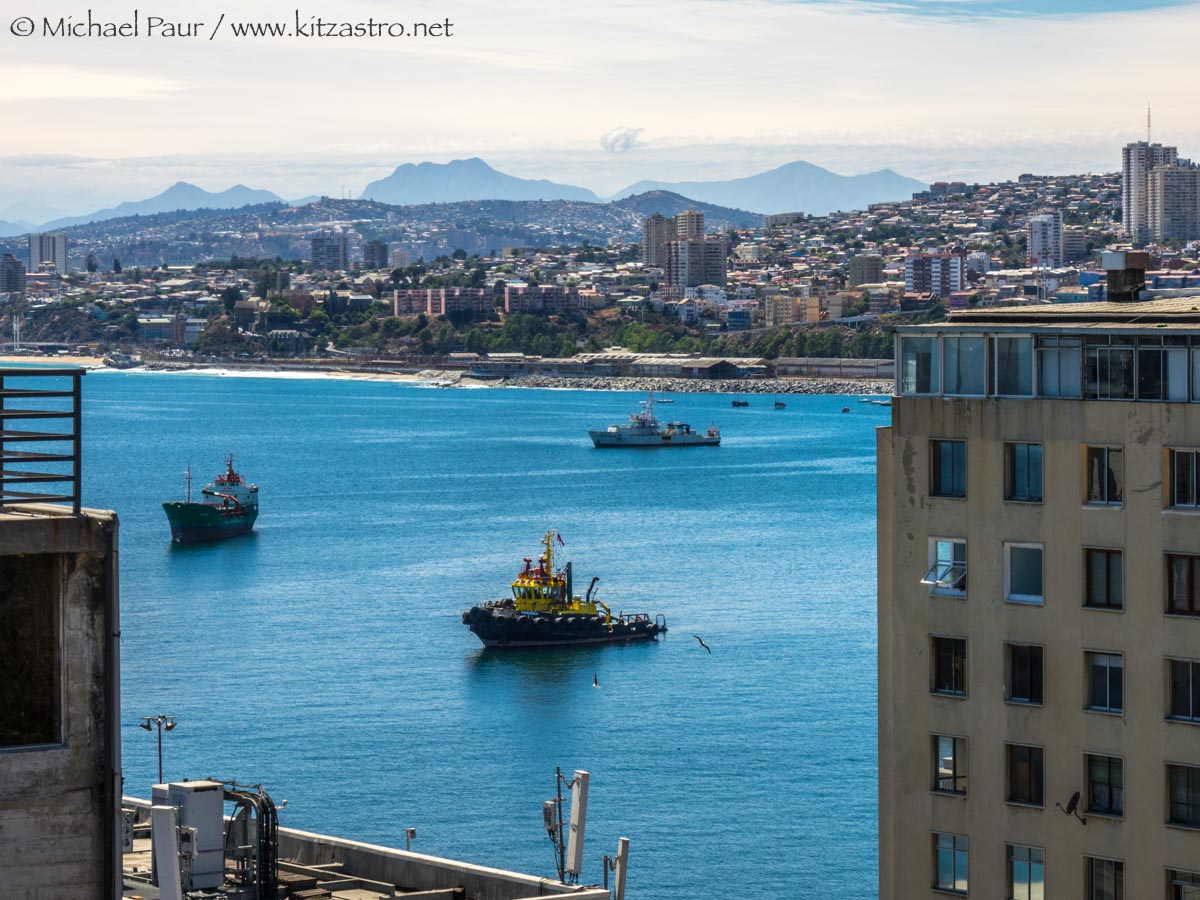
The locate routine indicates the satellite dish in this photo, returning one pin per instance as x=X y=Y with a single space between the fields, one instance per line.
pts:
x=1073 y=803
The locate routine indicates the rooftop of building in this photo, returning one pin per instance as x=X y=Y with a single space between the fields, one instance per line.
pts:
x=1182 y=312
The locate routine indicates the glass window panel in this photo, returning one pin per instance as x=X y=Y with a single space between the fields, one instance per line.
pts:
x=1014 y=367
x=965 y=365
x=1116 y=476
x=1150 y=374
x=1183 y=478
x=1177 y=374
x=1025 y=571
x=1196 y=374
x=919 y=365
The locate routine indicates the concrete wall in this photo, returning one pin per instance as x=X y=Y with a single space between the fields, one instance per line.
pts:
x=58 y=809
x=909 y=714
x=418 y=872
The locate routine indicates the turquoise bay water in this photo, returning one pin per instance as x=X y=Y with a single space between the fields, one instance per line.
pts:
x=324 y=657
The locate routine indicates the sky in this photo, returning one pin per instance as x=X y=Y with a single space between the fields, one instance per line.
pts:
x=600 y=94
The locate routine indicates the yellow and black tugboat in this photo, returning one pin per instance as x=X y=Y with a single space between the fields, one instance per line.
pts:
x=543 y=611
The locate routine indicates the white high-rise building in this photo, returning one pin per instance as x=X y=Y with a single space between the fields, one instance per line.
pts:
x=1174 y=203
x=1137 y=160
x=1043 y=239
x=49 y=247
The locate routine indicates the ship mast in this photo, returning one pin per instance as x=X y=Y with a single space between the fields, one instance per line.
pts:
x=188 y=472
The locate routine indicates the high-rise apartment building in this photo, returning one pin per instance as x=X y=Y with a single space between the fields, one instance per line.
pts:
x=693 y=263
x=330 y=252
x=939 y=274
x=1173 y=202
x=656 y=231
x=866 y=268
x=12 y=275
x=1039 y=605
x=1044 y=239
x=48 y=247
x=375 y=255
x=1137 y=160
x=1074 y=240
x=689 y=226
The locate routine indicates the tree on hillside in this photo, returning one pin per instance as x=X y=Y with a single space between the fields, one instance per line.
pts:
x=230 y=296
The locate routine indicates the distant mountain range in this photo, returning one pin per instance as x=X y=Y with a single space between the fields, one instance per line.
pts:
x=180 y=195
x=795 y=187
x=8 y=229
x=666 y=203
x=464 y=180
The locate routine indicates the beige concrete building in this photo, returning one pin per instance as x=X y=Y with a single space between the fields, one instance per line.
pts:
x=60 y=742
x=1039 y=605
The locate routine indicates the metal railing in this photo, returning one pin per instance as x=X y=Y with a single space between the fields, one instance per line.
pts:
x=30 y=397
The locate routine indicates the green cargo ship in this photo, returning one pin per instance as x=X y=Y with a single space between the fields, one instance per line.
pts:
x=228 y=508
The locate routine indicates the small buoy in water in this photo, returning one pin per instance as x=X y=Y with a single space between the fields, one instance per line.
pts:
x=845 y=409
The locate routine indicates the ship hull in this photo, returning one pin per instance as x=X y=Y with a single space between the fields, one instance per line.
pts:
x=532 y=631
x=193 y=523
x=621 y=439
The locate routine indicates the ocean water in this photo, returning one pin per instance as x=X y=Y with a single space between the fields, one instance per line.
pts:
x=324 y=657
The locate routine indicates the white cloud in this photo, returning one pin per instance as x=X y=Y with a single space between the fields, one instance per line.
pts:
x=620 y=139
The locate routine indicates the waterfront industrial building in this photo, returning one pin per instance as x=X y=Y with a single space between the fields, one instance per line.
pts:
x=1039 y=602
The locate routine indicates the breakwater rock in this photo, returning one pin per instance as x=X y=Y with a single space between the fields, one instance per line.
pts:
x=842 y=386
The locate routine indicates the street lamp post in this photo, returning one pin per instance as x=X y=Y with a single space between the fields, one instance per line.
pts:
x=148 y=723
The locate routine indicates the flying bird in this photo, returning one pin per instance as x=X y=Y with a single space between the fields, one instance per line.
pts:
x=702 y=644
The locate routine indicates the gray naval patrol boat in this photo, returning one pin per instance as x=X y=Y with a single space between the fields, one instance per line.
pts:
x=643 y=430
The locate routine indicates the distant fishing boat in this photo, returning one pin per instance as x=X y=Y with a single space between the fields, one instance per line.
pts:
x=741 y=402
x=779 y=404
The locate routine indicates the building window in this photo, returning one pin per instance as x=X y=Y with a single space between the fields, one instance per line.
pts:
x=1162 y=369
x=1104 y=475
x=1106 y=785
x=1184 y=690
x=1183 y=584
x=948 y=468
x=950 y=666
x=1024 y=774
x=1023 y=472
x=1106 y=682
x=1060 y=362
x=1026 y=873
x=1183 y=494
x=1014 y=367
x=1024 y=663
x=950 y=862
x=919 y=365
x=1183 y=885
x=949 y=764
x=1023 y=573
x=1108 y=371
x=947 y=567
x=1184 y=799
x=1105 y=879
x=965 y=366
x=1102 y=579
x=30 y=652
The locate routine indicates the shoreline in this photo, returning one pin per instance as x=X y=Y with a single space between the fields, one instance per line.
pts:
x=457 y=379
